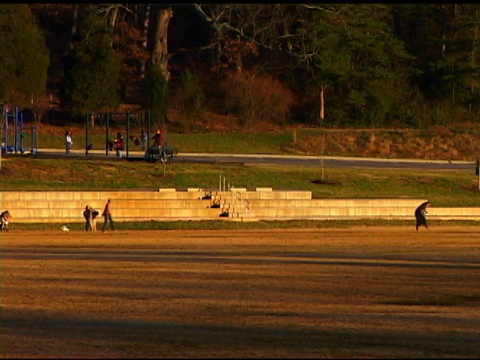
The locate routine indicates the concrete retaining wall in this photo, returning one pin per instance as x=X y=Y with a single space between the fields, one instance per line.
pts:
x=203 y=204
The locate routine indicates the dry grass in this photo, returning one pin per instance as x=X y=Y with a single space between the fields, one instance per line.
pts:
x=354 y=292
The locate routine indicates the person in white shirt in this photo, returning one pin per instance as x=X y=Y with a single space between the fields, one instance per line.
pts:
x=68 y=142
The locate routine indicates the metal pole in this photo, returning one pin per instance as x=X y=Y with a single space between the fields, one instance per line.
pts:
x=5 y=135
x=15 y=140
x=21 y=132
x=86 y=134
x=478 y=173
x=36 y=139
x=32 y=141
x=128 y=130
x=106 y=133
x=148 y=129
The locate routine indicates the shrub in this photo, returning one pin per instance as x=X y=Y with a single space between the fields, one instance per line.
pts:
x=156 y=95
x=190 y=100
x=254 y=98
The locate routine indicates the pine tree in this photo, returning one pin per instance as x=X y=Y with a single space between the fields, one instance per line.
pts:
x=93 y=74
x=24 y=58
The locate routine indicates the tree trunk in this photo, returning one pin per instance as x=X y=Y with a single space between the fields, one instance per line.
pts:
x=322 y=103
x=321 y=119
x=113 y=16
x=146 y=24
x=160 y=55
x=73 y=31
x=112 y=20
x=238 y=55
x=217 y=52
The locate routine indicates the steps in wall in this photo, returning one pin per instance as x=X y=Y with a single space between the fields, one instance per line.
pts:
x=198 y=204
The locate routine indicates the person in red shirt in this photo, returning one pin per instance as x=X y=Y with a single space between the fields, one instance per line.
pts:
x=119 y=144
x=159 y=138
x=107 y=216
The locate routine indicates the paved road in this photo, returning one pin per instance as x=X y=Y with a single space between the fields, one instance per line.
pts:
x=330 y=161
x=327 y=161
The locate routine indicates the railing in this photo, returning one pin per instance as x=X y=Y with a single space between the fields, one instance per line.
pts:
x=234 y=199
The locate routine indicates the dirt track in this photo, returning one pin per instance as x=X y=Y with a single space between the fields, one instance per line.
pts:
x=355 y=292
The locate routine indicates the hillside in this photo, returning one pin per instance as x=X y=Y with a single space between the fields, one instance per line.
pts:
x=439 y=144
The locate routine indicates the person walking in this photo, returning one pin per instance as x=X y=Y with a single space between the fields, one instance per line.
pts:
x=143 y=139
x=68 y=142
x=421 y=214
x=119 y=144
x=87 y=214
x=159 y=143
x=107 y=216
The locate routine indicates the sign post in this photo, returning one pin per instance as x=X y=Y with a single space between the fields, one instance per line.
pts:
x=477 y=172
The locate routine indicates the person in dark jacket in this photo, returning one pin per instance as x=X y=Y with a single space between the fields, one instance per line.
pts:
x=421 y=215
x=87 y=214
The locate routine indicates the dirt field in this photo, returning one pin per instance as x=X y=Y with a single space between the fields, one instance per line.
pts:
x=355 y=292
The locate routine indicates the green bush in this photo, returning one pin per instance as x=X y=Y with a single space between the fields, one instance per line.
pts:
x=92 y=75
x=189 y=100
x=156 y=95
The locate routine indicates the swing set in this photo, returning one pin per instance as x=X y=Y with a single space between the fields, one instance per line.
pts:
x=15 y=133
x=119 y=143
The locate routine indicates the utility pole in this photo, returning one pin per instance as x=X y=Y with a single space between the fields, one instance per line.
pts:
x=477 y=172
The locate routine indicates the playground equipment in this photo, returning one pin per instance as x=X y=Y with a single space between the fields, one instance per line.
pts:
x=122 y=120
x=15 y=133
x=126 y=120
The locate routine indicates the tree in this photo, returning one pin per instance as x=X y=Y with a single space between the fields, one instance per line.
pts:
x=92 y=77
x=190 y=99
x=24 y=60
x=160 y=55
x=155 y=88
x=444 y=40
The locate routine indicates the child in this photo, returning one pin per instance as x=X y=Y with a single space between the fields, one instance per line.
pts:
x=95 y=214
x=4 y=217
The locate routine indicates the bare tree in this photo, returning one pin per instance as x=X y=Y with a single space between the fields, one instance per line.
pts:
x=145 y=27
x=160 y=55
x=73 y=31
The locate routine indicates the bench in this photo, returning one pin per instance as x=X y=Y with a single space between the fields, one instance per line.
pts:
x=163 y=154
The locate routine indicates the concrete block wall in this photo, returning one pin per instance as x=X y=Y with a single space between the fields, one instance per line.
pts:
x=197 y=204
x=68 y=206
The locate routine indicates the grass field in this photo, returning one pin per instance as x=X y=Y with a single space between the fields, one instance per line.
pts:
x=442 y=188
x=375 y=292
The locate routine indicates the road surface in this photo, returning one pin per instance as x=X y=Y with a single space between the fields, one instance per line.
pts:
x=297 y=160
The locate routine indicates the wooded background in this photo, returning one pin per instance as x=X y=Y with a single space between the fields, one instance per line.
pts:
x=330 y=65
